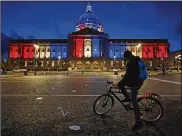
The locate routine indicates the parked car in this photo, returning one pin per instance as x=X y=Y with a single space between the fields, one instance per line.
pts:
x=166 y=71
x=3 y=72
x=19 y=70
x=115 y=70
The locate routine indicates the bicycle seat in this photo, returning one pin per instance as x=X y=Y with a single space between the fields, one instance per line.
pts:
x=127 y=87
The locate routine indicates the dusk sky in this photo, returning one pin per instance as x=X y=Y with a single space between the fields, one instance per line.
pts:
x=124 y=20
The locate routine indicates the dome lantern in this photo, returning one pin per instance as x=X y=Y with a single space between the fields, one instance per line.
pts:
x=89 y=19
x=89 y=8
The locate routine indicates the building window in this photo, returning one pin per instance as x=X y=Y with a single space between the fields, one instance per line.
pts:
x=43 y=50
x=59 y=50
x=54 y=50
x=25 y=63
x=64 y=50
x=48 y=50
x=32 y=50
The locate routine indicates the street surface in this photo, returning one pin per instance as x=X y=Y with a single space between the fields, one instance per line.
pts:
x=49 y=105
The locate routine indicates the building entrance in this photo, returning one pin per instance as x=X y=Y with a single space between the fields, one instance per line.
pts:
x=87 y=65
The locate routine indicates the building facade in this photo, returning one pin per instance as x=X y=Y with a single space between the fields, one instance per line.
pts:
x=88 y=48
x=174 y=59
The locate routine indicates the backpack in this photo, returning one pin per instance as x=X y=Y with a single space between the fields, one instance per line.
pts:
x=143 y=74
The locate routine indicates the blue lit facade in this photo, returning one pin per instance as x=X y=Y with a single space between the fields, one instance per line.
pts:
x=116 y=51
x=96 y=48
x=59 y=50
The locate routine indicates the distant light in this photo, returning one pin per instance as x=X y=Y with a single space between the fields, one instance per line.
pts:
x=95 y=49
x=138 y=45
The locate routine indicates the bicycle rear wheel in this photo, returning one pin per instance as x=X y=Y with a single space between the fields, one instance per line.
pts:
x=151 y=109
x=103 y=104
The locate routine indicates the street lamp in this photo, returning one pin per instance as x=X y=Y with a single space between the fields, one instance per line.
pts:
x=114 y=60
x=178 y=59
x=163 y=70
x=36 y=50
x=59 y=57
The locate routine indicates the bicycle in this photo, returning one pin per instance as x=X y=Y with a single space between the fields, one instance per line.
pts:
x=146 y=103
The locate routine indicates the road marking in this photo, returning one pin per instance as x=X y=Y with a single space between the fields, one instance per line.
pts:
x=63 y=111
x=48 y=81
x=167 y=81
x=65 y=95
x=39 y=98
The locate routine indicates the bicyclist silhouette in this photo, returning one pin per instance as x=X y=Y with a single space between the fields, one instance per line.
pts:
x=131 y=79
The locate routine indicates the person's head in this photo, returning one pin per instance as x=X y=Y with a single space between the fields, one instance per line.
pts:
x=128 y=55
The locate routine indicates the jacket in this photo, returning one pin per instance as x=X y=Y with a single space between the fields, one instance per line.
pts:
x=131 y=77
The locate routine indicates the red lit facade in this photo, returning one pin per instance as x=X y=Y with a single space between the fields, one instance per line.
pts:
x=150 y=51
x=79 y=48
x=28 y=51
x=25 y=51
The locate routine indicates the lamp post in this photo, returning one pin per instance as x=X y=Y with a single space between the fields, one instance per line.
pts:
x=114 y=60
x=82 y=65
x=178 y=60
x=59 y=57
x=163 y=69
x=36 y=50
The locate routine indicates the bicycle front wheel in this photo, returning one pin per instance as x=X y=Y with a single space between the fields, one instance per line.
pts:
x=103 y=104
x=151 y=109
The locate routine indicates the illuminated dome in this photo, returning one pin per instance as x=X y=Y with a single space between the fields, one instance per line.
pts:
x=89 y=19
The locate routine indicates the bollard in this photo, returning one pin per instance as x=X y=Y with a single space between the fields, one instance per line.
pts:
x=25 y=73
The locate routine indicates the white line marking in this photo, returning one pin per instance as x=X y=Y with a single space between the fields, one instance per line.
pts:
x=65 y=95
x=62 y=111
x=167 y=81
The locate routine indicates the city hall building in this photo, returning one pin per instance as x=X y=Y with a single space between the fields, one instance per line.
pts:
x=88 y=48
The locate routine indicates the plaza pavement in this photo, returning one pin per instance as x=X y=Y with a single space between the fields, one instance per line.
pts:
x=48 y=105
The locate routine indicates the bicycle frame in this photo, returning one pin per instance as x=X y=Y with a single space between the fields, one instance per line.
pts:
x=110 y=92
